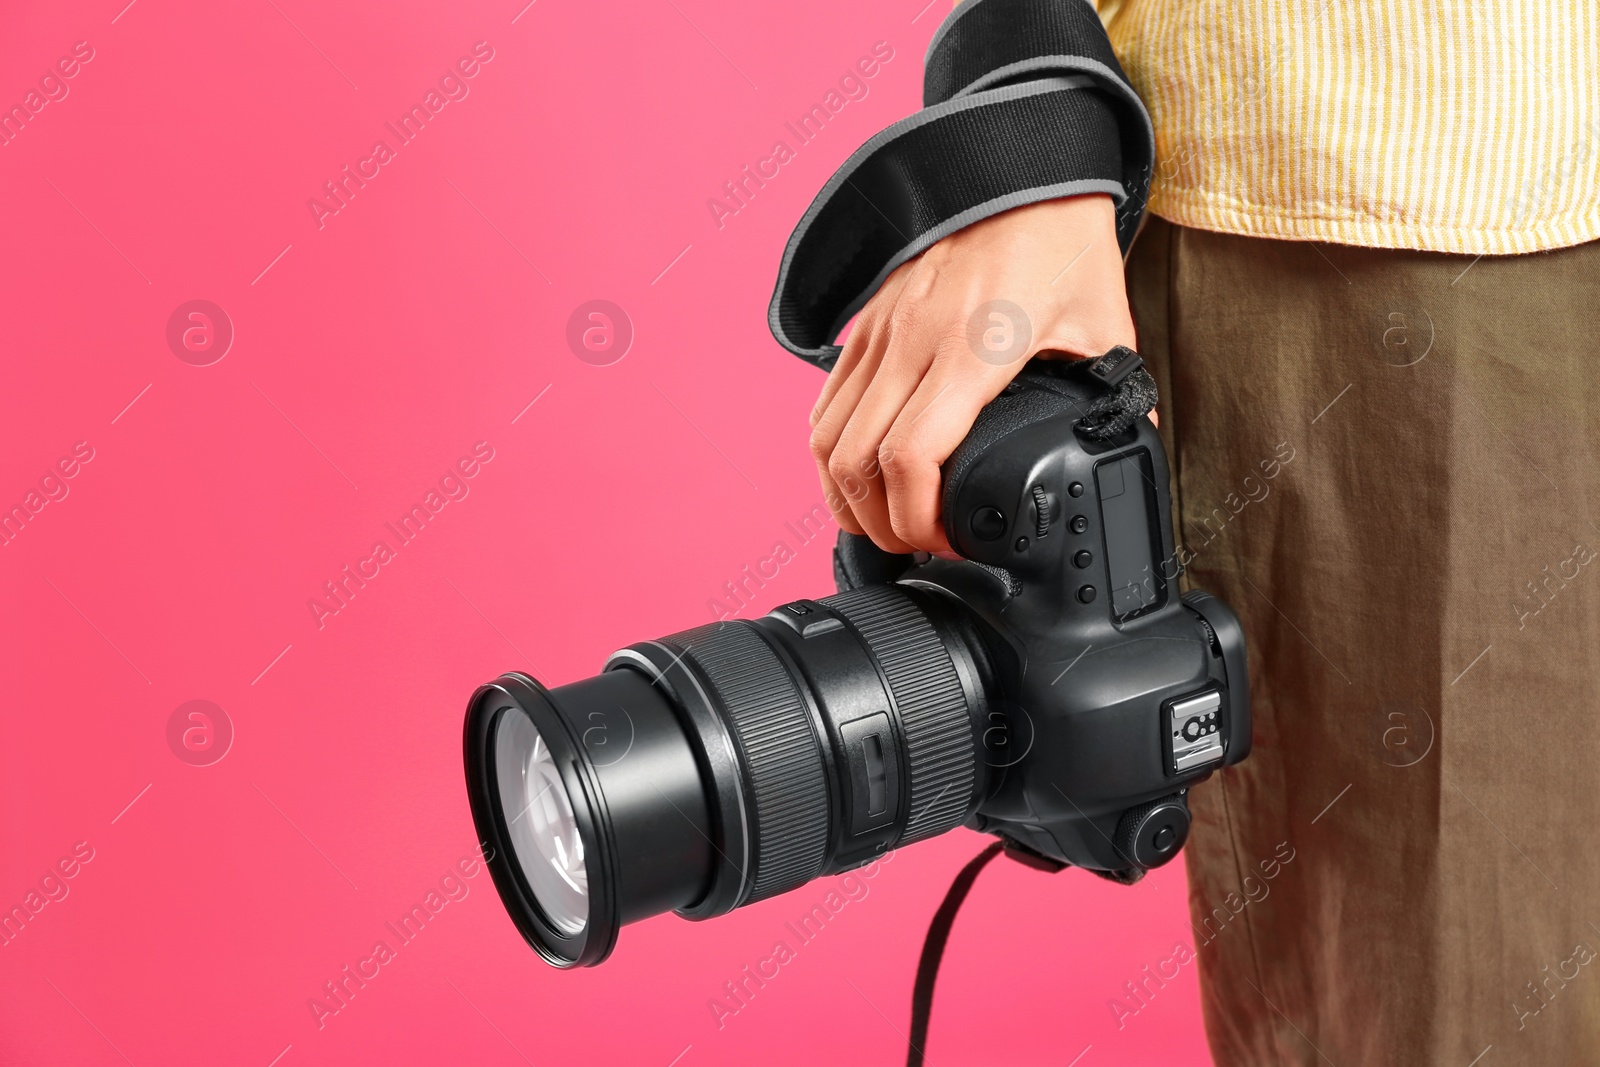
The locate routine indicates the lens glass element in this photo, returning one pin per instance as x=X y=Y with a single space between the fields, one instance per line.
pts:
x=540 y=823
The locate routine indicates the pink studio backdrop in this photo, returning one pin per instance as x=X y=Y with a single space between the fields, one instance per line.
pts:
x=373 y=348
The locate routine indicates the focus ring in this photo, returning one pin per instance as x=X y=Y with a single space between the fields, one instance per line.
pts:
x=778 y=749
x=933 y=705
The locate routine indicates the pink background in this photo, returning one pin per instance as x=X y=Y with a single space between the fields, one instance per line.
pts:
x=369 y=355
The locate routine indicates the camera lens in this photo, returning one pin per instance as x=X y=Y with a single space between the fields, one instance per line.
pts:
x=543 y=830
x=726 y=764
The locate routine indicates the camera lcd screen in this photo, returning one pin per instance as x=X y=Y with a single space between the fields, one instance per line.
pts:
x=1126 y=486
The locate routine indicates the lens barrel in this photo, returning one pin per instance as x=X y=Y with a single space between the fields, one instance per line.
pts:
x=729 y=763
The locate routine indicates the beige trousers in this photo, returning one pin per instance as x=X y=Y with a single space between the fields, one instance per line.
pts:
x=1388 y=462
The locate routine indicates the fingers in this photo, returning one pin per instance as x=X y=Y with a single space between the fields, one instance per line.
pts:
x=932 y=423
x=857 y=451
x=898 y=378
x=846 y=485
x=849 y=361
x=856 y=345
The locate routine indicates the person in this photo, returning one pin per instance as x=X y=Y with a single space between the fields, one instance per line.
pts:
x=1367 y=289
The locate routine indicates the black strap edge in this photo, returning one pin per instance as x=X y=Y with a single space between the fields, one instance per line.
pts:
x=963 y=11
x=1106 y=78
x=1039 y=66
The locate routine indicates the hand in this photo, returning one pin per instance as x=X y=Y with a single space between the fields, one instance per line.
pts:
x=931 y=348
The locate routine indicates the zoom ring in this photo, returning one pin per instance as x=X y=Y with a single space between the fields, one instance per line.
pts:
x=932 y=704
x=778 y=749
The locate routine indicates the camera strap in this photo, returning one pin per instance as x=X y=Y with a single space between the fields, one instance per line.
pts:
x=933 y=951
x=1023 y=101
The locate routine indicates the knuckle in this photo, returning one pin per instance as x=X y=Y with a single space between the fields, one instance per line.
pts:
x=903 y=528
x=897 y=457
x=853 y=459
x=868 y=467
x=905 y=519
x=841 y=468
x=845 y=517
x=821 y=443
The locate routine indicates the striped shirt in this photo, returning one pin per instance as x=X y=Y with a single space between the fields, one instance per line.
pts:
x=1453 y=125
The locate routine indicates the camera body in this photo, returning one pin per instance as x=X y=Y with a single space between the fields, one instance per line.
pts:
x=1108 y=693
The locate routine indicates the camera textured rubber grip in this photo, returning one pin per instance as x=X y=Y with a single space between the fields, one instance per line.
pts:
x=778 y=749
x=940 y=751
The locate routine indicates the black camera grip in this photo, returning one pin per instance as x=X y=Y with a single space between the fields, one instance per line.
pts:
x=1097 y=398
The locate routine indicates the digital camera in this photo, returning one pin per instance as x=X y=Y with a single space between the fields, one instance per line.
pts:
x=1052 y=688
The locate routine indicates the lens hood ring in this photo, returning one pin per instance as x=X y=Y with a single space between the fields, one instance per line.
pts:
x=516 y=693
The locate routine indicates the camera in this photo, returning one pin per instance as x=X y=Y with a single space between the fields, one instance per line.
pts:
x=1051 y=688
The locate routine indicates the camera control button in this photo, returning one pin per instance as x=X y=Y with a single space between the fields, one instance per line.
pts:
x=1086 y=594
x=1083 y=558
x=989 y=523
x=1079 y=524
x=803 y=618
x=1075 y=489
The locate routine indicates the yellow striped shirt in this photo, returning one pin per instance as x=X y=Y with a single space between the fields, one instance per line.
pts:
x=1453 y=125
